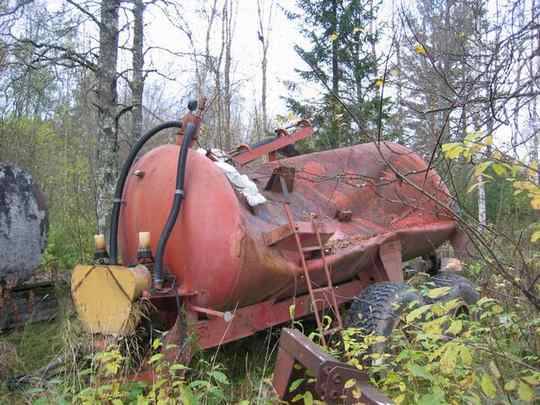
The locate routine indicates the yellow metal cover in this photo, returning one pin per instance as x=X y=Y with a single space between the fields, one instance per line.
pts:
x=105 y=297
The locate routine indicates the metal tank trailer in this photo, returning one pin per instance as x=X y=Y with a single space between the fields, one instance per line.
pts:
x=231 y=245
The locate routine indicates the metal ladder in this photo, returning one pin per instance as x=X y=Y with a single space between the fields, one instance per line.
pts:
x=329 y=289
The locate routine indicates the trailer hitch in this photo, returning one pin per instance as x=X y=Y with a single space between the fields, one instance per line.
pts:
x=328 y=379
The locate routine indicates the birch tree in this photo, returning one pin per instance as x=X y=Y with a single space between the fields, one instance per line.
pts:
x=264 y=19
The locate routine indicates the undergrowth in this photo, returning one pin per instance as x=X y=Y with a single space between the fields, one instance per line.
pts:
x=489 y=354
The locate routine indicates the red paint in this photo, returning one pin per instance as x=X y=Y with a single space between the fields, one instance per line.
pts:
x=217 y=251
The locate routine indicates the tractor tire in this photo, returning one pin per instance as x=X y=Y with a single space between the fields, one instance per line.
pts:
x=378 y=308
x=460 y=287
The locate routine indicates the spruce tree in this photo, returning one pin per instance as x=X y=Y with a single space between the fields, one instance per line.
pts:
x=342 y=36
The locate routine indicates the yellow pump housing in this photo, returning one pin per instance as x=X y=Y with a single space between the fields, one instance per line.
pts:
x=105 y=297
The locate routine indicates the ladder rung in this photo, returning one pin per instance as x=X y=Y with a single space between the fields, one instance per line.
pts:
x=311 y=249
x=321 y=289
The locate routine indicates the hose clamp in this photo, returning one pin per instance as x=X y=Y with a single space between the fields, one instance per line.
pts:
x=179 y=192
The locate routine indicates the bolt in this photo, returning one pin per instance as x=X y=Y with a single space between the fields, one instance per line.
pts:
x=336 y=378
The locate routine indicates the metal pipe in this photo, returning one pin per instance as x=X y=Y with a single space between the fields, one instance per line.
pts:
x=117 y=201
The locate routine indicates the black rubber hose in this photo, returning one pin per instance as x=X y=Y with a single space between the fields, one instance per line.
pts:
x=117 y=201
x=189 y=133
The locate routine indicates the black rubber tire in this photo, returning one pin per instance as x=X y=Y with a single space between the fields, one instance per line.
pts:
x=460 y=287
x=378 y=308
x=433 y=261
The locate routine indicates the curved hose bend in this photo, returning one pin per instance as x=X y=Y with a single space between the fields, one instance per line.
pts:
x=190 y=132
x=117 y=201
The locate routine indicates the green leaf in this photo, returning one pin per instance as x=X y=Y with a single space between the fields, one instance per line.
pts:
x=481 y=167
x=535 y=237
x=436 y=396
x=477 y=184
x=417 y=313
x=220 y=377
x=308 y=398
x=419 y=371
x=438 y=292
x=187 y=396
x=176 y=367
x=533 y=379
x=156 y=344
x=155 y=357
x=295 y=384
x=525 y=392
x=488 y=387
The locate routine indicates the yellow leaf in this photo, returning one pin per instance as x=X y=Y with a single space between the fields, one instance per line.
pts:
x=400 y=399
x=455 y=327
x=379 y=83
x=535 y=237
x=449 y=358
x=333 y=37
x=510 y=385
x=466 y=356
x=488 y=140
x=535 y=202
x=452 y=150
x=525 y=392
x=472 y=136
x=525 y=185
x=499 y=169
x=494 y=370
x=349 y=383
x=487 y=385
x=420 y=49
x=481 y=168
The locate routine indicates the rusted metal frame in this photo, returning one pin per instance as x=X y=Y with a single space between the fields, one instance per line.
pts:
x=306 y=272
x=248 y=320
x=328 y=276
x=273 y=146
x=283 y=232
x=330 y=374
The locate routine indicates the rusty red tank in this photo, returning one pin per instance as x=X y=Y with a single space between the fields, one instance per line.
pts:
x=376 y=205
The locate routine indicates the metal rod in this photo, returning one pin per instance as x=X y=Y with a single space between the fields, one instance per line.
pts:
x=306 y=272
x=327 y=271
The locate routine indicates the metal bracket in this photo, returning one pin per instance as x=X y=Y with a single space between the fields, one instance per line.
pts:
x=329 y=374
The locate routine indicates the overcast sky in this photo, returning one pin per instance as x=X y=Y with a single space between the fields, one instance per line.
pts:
x=246 y=49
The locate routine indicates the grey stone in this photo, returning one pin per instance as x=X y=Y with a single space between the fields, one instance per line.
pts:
x=23 y=225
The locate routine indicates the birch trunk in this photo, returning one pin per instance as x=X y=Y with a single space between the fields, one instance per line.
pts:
x=137 y=81
x=264 y=38
x=107 y=140
x=228 y=20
